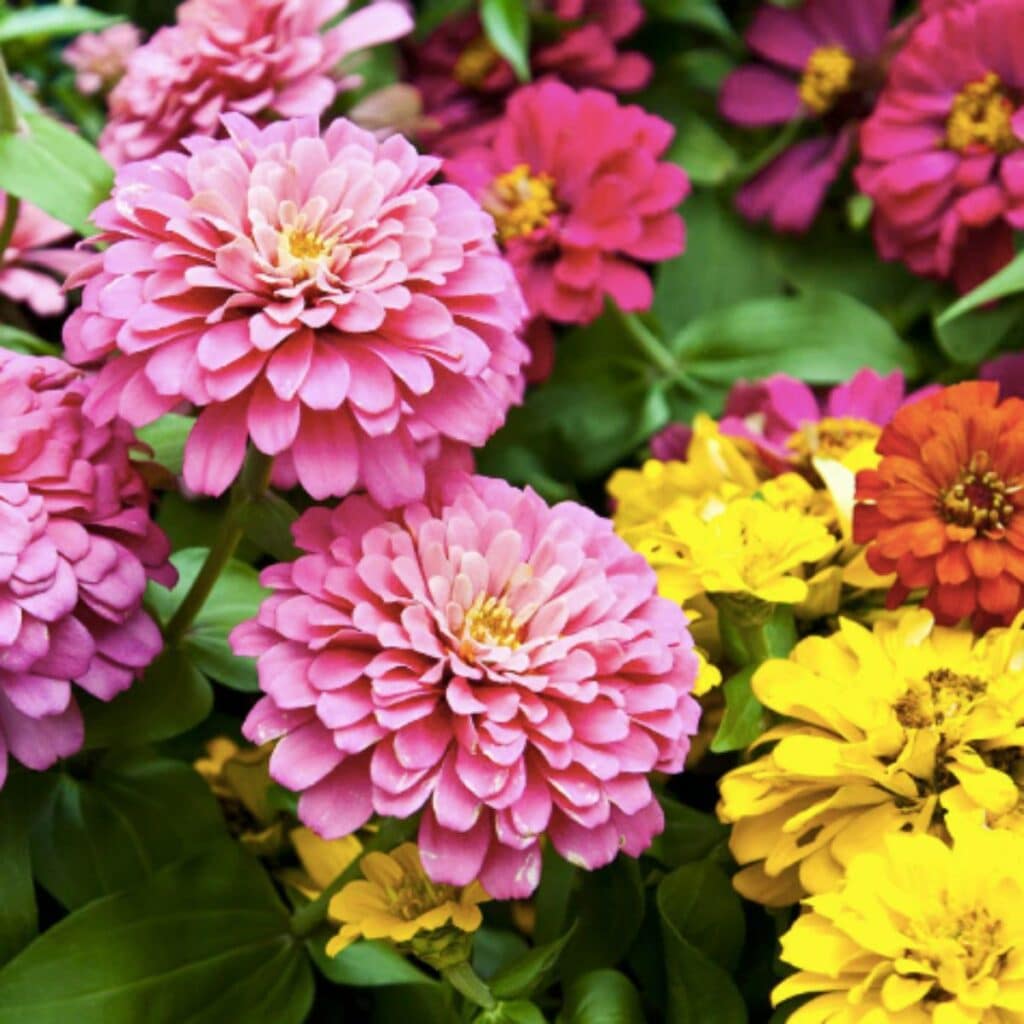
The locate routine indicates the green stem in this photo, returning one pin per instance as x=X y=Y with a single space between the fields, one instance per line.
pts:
x=648 y=342
x=252 y=483
x=12 y=206
x=9 y=121
x=464 y=979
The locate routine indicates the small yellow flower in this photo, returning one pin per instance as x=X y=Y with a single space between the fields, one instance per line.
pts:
x=708 y=676
x=918 y=933
x=322 y=860
x=889 y=730
x=398 y=902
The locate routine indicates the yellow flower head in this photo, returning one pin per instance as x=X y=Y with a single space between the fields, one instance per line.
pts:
x=322 y=860
x=919 y=933
x=398 y=902
x=889 y=729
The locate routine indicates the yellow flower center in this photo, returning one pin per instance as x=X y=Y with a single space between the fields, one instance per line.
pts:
x=832 y=437
x=981 y=117
x=943 y=697
x=300 y=252
x=520 y=202
x=827 y=76
x=969 y=939
x=475 y=63
x=489 y=622
x=979 y=498
x=415 y=895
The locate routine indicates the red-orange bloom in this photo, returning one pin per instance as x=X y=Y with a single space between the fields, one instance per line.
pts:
x=945 y=508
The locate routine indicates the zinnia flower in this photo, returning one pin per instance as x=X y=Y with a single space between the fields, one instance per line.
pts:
x=261 y=58
x=33 y=264
x=941 y=154
x=579 y=198
x=919 y=934
x=313 y=295
x=76 y=548
x=101 y=58
x=945 y=508
x=465 y=82
x=887 y=730
x=825 y=62
x=1008 y=372
x=504 y=666
x=398 y=901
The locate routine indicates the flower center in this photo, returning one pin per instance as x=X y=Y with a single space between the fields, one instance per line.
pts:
x=827 y=76
x=980 y=498
x=981 y=117
x=520 y=202
x=489 y=622
x=415 y=896
x=832 y=437
x=943 y=696
x=300 y=252
x=475 y=63
x=971 y=939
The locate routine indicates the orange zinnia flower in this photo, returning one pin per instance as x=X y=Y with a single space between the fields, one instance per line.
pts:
x=944 y=510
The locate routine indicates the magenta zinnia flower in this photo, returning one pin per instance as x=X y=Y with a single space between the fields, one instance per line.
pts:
x=504 y=666
x=464 y=82
x=1008 y=371
x=580 y=197
x=941 y=155
x=33 y=265
x=261 y=58
x=101 y=58
x=313 y=295
x=824 y=64
x=76 y=548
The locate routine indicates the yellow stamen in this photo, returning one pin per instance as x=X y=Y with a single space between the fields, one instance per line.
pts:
x=489 y=622
x=981 y=117
x=300 y=251
x=475 y=63
x=980 y=498
x=827 y=76
x=832 y=437
x=520 y=202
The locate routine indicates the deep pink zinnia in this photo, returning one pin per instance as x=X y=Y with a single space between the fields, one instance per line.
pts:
x=262 y=58
x=823 y=64
x=34 y=264
x=941 y=155
x=315 y=295
x=464 y=82
x=580 y=197
x=76 y=548
x=504 y=666
x=100 y=59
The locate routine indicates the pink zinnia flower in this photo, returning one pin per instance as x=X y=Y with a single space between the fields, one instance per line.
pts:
x=261 y=58
x=101 y=58
x=33 y=265
x=315 y=295
x=941 y=155
x=1008 y=372
x=824 y=63
x=465 y=82
x=580 y=197
x=504 y=666
x=76 y=548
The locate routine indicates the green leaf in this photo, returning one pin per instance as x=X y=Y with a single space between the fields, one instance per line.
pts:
x=519 y=1012
x=703 y=14
x=602 y=997
x=703 y=930
x=820 y=337
x=268 y=524
x=49 y=20
x=507 y=24
x=170 y=698
x=18 y=340
x=18 y=922
x=1007 y=281
x=134 y=813
x=969 y=339
x=531 y=972
x=366 y=965
x=203 y=941
x=743 y=720
x=167 y=437
x=494 y=949
x=689 y=834
x=58 y=171
x=701 y=151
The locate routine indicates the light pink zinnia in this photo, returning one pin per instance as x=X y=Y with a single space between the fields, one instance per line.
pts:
x=580 y=198
x=941 y=155
x=101 y=58
x=824 y=63
x=504 y=666
x=33 y=265
x=76 y=548
x=315 y=295
x=262 y=58
x=465 y=83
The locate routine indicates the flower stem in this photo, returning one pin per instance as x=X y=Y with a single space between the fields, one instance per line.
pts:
x=464 y=979
x=252 y=483
x=655 y=351
x=12 y=207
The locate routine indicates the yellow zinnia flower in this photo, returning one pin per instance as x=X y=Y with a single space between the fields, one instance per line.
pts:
x=919 y=933
x=398 y=902
x=890 y=728
x=322 y=860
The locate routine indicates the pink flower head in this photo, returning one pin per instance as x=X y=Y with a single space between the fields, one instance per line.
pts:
x=76 y=548
x=823 y=63
x=1008 y=372
x=314 y=295
x=261 y=58
x=465 y=82
x=101 y=58
x=941 y=155
x=580 y=197
x=769 y=412
x=505 y=666
x=33 y=265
